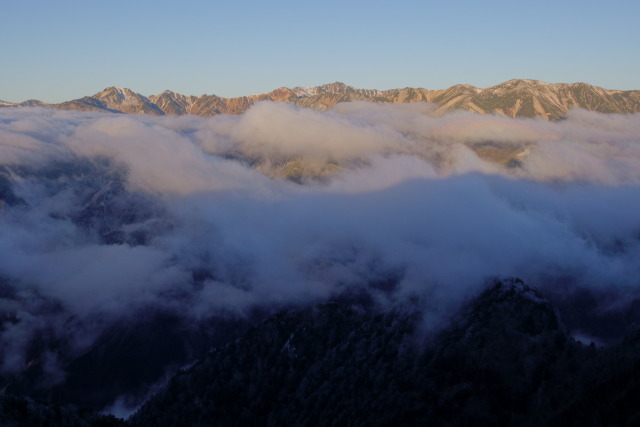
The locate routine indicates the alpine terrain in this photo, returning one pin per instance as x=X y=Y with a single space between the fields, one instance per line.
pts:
x=514 y=98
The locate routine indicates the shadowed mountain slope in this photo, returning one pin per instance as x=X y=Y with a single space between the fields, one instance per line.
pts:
x=505 y=360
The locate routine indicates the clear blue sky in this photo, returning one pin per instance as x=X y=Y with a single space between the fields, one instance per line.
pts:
x=61 y=50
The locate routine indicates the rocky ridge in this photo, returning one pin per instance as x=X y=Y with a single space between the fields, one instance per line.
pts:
x=513 y=98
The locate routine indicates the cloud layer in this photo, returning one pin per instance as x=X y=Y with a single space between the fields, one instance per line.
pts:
x=106 y=215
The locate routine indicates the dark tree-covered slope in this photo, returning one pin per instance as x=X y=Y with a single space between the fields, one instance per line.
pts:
x=505 y=360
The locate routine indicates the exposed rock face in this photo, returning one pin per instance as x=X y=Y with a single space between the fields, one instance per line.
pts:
x=127 y=101
x=114 y=100
x=514 y=98
x=210 y=105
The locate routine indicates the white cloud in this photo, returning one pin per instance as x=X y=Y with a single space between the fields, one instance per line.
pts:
x=412 y=203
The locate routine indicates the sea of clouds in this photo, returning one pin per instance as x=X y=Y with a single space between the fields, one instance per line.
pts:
x=106 y=215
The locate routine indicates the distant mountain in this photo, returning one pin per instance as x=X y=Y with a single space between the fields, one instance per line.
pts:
x=114 y=99
x=514 y=98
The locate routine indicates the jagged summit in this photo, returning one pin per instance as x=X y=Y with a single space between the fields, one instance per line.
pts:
x=336 y=87
x=127 y=101
x=118 y=92
x=513 y=98
x=329 y=88
x=522 y=83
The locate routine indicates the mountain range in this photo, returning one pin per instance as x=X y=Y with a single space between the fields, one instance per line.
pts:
x=513 y=98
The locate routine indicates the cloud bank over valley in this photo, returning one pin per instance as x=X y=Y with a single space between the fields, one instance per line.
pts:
x=105 y=218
